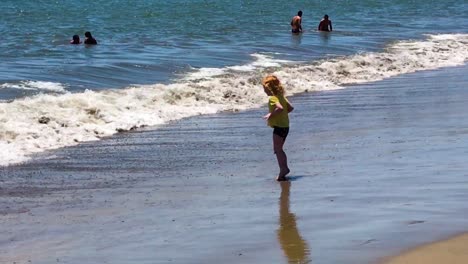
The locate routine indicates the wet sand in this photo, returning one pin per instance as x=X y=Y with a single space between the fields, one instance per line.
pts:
x=376 y=169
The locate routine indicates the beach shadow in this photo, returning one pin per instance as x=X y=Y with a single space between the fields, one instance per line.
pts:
x=294 y=178
x=295 y=248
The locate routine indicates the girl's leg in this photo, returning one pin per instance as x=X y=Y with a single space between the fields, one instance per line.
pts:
x=278 y=143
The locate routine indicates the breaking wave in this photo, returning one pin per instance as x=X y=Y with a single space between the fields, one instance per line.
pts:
x=49 y=121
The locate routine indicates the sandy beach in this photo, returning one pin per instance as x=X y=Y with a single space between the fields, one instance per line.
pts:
x=448 y=251
x=377 y=169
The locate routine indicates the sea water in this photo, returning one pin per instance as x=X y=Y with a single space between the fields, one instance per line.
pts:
x=158 y=61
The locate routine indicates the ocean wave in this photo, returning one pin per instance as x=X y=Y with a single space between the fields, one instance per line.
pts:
x=49 y=121
x=35 y=85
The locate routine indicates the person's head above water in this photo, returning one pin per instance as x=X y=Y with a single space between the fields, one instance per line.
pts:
x=89 y=39
x=76 y=40
x=299 y=13
x=325 y=17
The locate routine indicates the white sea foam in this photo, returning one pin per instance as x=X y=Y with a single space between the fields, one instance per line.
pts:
x=204 y=73
x=261 y=61
x=35 y=85
x=35 y=124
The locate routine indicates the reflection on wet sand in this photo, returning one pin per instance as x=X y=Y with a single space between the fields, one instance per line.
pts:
x=294 y=246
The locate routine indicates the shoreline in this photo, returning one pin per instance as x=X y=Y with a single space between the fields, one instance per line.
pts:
x=93 y=115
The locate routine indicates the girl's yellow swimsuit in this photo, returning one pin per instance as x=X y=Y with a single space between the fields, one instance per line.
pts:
x=281 y=119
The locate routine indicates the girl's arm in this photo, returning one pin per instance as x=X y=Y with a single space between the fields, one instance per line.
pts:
x=278 y=109
x=290 y=107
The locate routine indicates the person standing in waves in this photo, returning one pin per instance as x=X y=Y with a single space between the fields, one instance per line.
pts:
x=296 y=23
x=325 y=24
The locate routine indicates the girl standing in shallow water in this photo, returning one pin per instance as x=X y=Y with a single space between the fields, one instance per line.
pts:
x=278 y=119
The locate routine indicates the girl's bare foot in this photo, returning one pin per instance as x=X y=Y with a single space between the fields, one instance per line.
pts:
x=282 y=175
x=283 y=178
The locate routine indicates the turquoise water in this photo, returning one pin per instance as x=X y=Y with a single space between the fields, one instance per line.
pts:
x=159 y=61
x=145 y=42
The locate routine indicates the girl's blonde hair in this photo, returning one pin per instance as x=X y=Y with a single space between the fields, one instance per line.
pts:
x=273 y=84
